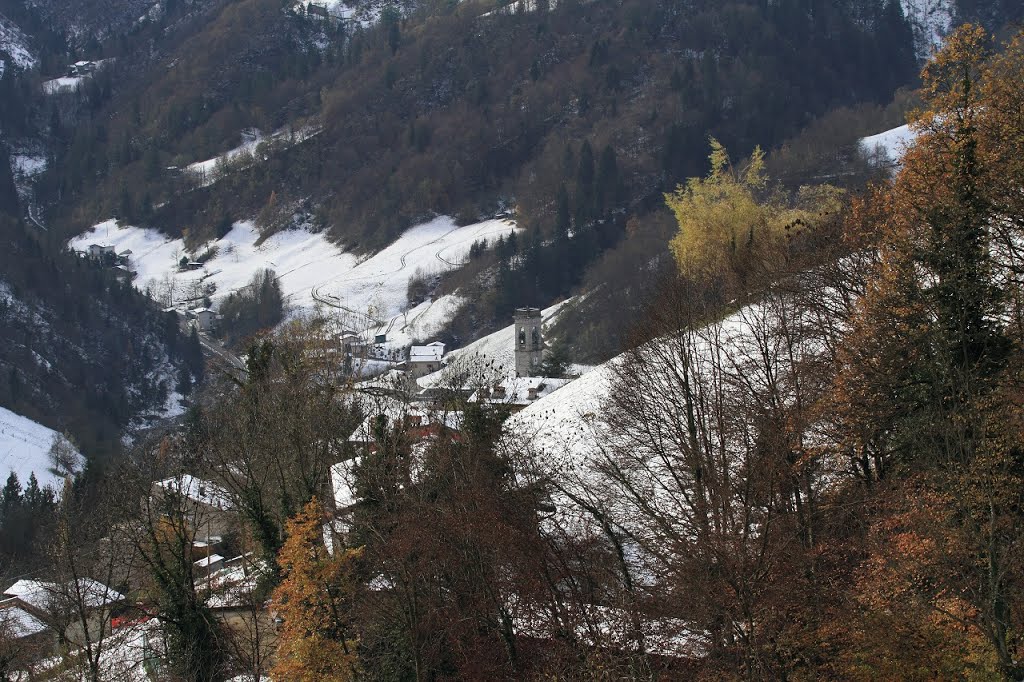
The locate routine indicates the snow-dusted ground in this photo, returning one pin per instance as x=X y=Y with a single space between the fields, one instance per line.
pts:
x=14 y=45
x=496 y=350
x=378 y=285
x=27 y=166
x=930 y=22
x=312 y=271
x=568 y=434
x=253 y=146
x=366 y=14
x=889 y=146
x=419 y=323
x=24 y=448
x=63 y=84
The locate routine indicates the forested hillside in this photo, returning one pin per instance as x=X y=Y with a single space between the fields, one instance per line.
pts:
x=807 y=465
x=83 y=351
x=768 y=426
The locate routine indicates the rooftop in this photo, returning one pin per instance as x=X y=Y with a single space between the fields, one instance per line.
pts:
x=43 y=596
x=518 y=390
x=432 y=352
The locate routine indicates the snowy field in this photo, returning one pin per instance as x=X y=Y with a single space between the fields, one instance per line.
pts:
x=365 y=14
x=890 y=145
x=63 y=84
x=930 y=22
x=312 y=271
x=567 y=430
x=253 y=146
x=378 y=285
x=27 y=165
x=24 y=445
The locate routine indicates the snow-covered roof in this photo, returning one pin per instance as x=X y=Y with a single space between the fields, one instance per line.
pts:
x=233 y=585
x=413 y=417
x=16 y=622
x=45 y=595
x=199 y=311
x=518 y=390
x=208 y=561
x=430 y=353
x=198 y=490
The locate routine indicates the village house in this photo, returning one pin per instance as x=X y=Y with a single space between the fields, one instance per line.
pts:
x=211 y=512
x=99 y=251
x=351 y=343
x=25 y=637
x=424 y=360
x=419 y=429
x=205 y=319
x=58 y=606
x=82 y=68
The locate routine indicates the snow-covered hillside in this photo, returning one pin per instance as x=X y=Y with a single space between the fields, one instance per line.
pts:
x=24 y=448
x=14 y=47
x=568 y=433
x=888 y=147
x=496 y=350
x=254 y=148
x=311 y=270
x=930 y=21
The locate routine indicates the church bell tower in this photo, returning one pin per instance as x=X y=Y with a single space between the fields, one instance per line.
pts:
x=529 y=341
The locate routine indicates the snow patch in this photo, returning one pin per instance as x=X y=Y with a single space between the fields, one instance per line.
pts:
x=254 y=147
x=24 y=448
x=888 y=147
x=27 y=166
x=15 y=45
x=930 y=22
x=313 y=272
x=64 y=84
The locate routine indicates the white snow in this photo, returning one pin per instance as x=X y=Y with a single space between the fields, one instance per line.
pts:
x=377 y=286
x=24 y=448
x=568 y=432
x=253 y=148
x=312 y=271
x=300 y=259
x=889 y=146
x=15 y=45
x=930 y=21
x=497 y=348
x=27 y=166
x=63 y=84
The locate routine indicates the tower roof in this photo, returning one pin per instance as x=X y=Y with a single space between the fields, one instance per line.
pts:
x=527 y=312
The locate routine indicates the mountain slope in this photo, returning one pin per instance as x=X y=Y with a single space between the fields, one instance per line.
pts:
x=80 y=351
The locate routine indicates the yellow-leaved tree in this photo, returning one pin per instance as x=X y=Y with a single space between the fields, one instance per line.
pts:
x=729 y=223
x=317 y=641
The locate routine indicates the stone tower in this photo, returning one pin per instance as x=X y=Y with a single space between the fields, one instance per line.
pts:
x=529 y=341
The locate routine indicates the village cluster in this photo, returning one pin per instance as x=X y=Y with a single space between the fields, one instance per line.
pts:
x=44 y=618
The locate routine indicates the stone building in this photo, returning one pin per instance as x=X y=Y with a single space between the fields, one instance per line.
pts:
x=529 y=341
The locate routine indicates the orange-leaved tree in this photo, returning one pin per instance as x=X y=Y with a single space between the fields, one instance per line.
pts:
x=317 y=641
x=929 y=380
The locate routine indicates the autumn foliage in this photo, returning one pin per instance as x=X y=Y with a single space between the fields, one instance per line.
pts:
x=314 y=600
